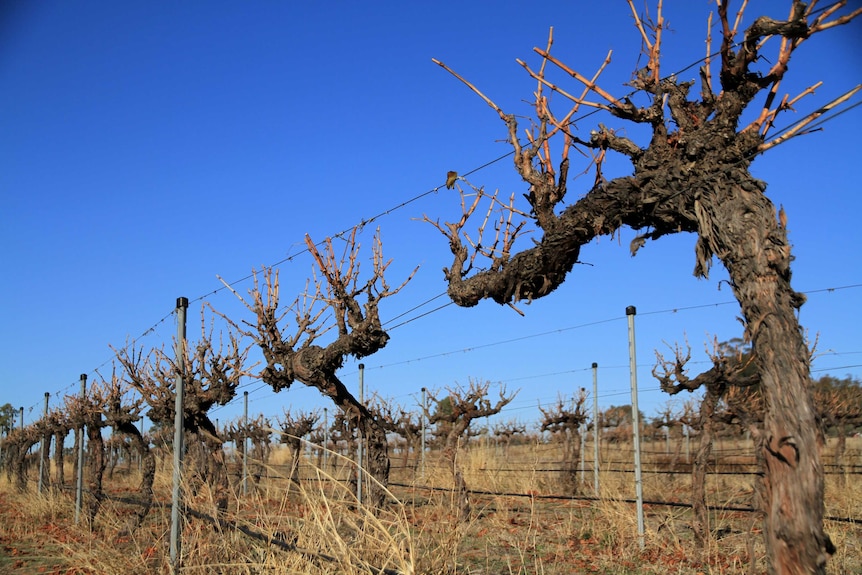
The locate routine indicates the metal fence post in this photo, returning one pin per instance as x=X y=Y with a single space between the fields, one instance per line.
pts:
x=143 y=439
x=596 y=433
x=582 y=464
x=179 y=425
x=245 y=444
x=422 y=455
x=325 y=438
x=360 y=437
x=630 y=312
x=43 y=447
x=79 y=485
x=685 y=430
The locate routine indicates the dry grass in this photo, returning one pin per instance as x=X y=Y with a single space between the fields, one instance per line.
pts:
x=515 y=528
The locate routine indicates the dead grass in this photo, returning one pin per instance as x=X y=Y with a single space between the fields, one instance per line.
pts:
x=515 y=528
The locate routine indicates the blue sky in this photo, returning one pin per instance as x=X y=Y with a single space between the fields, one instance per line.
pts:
x=147 y=147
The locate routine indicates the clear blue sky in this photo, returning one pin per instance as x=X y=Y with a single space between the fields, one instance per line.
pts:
x=147 y=147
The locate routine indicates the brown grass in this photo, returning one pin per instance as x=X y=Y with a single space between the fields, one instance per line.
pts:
x=515 y=527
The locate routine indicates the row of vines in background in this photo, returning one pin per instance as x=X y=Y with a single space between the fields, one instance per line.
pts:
x=453 y=422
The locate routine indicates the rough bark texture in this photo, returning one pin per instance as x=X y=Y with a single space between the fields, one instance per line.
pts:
x=693 y=176
x=59 y=462
x=738 y=225
x=95 y=467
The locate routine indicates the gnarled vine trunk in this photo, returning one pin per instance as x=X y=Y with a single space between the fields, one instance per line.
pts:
x=96 y=467
x=740 y=227
x=59 y=460
x=45 y=455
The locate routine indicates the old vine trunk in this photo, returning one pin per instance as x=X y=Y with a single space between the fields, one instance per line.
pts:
x=742 y=230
